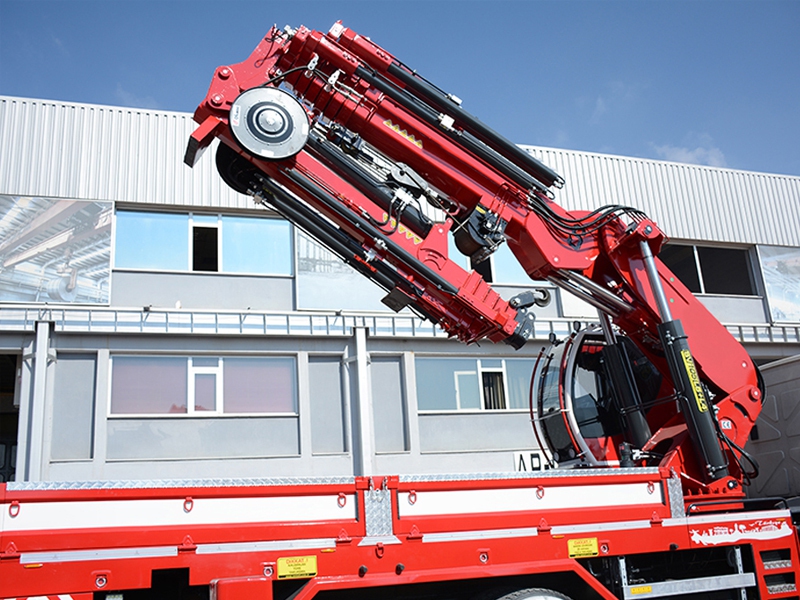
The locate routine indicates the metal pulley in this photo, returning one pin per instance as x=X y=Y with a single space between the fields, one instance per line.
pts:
x=269 y=123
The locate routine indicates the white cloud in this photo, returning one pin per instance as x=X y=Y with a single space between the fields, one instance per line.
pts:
x=600 y=109
x=697 y=150
x=618 y=97
x=127 y=98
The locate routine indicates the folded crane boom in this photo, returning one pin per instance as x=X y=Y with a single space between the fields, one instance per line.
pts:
x=652 y=405
x=348 y=143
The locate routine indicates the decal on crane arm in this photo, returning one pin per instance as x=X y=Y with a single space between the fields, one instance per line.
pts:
x=694 y=379
x=403 y=133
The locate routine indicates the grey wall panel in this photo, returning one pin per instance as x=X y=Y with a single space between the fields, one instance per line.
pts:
x=388 y=405
x=73 y=406
x=198 y=438
x=735 y=309
x=470 y=432
x=105 y=153
x=194 y=291
x=327 y=405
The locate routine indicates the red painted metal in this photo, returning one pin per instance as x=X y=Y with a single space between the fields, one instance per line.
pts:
x=442 y=530
x=610 y=256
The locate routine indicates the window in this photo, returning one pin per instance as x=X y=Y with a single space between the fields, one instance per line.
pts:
x=261 y=246
x=781 y=268
x=170 y=385
x=203 y=243
x=710 y=270
x=472 y=384
x=151 y=241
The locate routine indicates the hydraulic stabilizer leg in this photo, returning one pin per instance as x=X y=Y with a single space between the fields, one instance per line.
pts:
x=698 y=414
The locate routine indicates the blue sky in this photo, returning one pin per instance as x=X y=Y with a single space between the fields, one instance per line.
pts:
x=708 y=82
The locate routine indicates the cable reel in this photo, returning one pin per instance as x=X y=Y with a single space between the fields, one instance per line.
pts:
x=269 y=123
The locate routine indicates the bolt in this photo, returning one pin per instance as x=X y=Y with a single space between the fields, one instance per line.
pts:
x=224 y=73
x=101 y=581
x=268 y=571
x=216 y=99
x=604 y=548
x=484 y=557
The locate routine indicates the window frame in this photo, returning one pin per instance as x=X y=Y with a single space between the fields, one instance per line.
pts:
x=749 y=256
x=191 y=372
x=202 y=219
x=480 y=369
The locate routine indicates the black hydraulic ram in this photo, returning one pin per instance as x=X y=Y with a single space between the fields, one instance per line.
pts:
x=463 y=138
x=381 y=194
x=490 y=137
x=372 y=232
x=698 y=413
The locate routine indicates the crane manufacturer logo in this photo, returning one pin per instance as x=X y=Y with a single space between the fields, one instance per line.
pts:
x=697 y=387
x=403 y=133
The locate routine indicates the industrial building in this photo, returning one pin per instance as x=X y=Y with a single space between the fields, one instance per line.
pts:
x=155 y=324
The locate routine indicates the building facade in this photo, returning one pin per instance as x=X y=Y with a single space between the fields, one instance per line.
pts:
x=155 y=324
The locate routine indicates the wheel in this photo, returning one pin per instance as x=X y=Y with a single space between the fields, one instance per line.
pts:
x=534 y=594
x=269 y=123
x=235 y=170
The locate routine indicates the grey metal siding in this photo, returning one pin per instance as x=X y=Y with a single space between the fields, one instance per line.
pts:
x=691 y=202
x=132 y=155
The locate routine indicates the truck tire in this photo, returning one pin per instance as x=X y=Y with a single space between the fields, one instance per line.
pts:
x=534 y=594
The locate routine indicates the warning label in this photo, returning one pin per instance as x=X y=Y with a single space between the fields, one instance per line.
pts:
x=297 y=567
x=582 y=547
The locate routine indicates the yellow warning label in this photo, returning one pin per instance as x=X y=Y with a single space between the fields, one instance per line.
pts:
x=582 y=547
x=697 y=387
x=641 y=589
x=297 y=567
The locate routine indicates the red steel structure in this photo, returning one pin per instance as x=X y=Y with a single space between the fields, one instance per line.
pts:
x=349 y=144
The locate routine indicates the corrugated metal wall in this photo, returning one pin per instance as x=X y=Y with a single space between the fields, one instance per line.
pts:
x=687 y=201
x=105 y=153
x=134 y=155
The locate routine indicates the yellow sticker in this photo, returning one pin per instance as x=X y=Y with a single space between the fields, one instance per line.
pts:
x=641 y=589
x=297 y=567
x=697 y=387
x=582 y=547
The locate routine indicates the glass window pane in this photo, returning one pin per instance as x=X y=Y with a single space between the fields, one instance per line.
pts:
x=256 y=245
x=148 y=385
x=781 y=268
x=259 y=385
x=211 y=220
x=467 y=390
x=726 y=271
x=152 y=241
x=441 y=382
x=205 y=392
x=680 y=260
